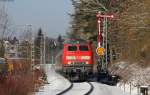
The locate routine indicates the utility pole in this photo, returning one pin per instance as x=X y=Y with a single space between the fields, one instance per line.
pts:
x=41 y=49
x=32 y=46
x=44 y=49
x=32 y=52
x=52 y=51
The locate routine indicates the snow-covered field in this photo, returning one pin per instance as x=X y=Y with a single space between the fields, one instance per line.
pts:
x=57 y=83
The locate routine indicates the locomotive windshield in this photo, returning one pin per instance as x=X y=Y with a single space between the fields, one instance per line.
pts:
x=72 y=48
x=83 y=48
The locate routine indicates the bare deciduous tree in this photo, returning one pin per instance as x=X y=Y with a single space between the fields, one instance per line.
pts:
x=4 y=22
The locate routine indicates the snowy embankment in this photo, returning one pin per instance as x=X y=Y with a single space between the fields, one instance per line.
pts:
x=133 y=76
x=102 y=89
x=57 y=83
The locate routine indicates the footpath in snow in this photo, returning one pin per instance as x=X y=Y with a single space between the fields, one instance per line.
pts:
x=57 y=83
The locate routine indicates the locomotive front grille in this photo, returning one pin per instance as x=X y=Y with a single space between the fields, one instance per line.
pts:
x=78 y=63
x=82 y=67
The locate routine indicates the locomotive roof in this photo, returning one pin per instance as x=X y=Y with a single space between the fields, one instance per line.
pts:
x=75 y=41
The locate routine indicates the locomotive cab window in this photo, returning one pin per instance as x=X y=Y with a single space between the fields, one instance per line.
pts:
x=83 y=48
x=72 y=48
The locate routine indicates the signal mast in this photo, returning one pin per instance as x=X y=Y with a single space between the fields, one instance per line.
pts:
x=102 y=49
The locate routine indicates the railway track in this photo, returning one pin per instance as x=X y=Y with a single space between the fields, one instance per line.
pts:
x=91 y=89
x=66 y=90
x=85 y=88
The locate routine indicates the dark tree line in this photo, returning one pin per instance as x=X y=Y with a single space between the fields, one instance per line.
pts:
x=84 y=18
x=129 y=28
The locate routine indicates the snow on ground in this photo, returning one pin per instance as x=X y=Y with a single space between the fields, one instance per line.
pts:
x=133 y=75
x=57 y=83
x=128 y=88
x=79 y=89
x=102 y=89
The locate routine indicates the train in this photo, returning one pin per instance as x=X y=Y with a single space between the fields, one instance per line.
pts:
x=77 y=59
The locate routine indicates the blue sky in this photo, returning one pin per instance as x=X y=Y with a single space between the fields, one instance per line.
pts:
x=50 y=15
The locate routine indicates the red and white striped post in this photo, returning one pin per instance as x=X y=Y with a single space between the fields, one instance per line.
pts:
x=99 y=37
x=99 y=20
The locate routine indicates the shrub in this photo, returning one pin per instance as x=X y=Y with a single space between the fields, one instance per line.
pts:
x=16 y=85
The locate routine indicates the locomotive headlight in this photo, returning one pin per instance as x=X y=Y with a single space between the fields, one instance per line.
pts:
x=85 y=57
x=69 y=63
x=87 y=62
x=70 y=57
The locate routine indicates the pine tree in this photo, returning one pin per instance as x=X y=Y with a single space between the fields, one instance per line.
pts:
x=38 y=44
x=84 y=18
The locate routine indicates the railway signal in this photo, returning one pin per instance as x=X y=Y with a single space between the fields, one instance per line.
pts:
x=102 y=49
x=102 y=18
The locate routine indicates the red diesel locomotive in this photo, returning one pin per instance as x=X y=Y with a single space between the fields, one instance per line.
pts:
x=77 y=59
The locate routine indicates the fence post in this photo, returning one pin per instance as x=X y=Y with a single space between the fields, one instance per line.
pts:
x=130 y=87
x=124 y=87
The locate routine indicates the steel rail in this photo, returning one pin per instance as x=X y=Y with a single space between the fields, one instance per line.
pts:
x=91 y=89
x=66 y=90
